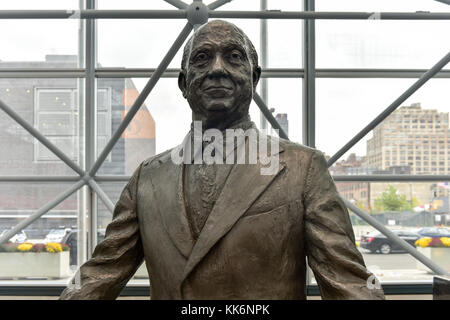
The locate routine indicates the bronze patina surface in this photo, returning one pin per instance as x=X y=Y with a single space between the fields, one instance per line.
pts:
x=225 y=231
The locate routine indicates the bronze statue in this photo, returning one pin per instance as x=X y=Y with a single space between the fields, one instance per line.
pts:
x=226 y=231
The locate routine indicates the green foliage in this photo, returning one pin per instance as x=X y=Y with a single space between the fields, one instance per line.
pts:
x=391 y=201
x=415 y=202
x=361 y=205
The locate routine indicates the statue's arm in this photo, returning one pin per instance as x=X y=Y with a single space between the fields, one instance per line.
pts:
x=337 y=264
x=116 y=258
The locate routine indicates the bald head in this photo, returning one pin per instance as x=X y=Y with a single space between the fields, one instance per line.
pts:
x=219 y=74
x=224 y=28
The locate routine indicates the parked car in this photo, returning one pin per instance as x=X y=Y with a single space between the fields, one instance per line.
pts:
x=71 y=239
x=56 y=235
x=434 y=232
x=20 y=237
x=378 y=242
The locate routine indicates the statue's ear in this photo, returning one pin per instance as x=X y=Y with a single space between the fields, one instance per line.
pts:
x=256 y=76
x=182 y=82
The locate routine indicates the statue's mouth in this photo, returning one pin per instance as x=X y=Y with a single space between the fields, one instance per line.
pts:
x=216 y=88
x=218 y=91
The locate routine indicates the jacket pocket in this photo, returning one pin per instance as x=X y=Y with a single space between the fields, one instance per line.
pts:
x=272 y=211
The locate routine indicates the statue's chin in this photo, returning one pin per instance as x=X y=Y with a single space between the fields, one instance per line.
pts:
x=215 y=109
x=218 y=107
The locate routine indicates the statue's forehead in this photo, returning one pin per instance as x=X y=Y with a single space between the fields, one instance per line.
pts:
x=218 y=34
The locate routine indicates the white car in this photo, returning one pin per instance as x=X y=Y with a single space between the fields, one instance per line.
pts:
x=20 y=237
x=56 y=235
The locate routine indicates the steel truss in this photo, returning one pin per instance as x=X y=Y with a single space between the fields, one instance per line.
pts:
x=197 y=13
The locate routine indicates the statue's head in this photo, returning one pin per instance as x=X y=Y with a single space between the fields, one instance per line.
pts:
x=219 y=73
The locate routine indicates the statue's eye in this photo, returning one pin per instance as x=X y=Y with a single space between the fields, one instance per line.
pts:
x=201 y=57
x=236 y=55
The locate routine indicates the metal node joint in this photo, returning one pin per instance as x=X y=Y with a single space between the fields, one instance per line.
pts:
x=197 y=13
x=86 y=178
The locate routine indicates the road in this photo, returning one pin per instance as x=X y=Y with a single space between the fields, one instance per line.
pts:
x=391 y=261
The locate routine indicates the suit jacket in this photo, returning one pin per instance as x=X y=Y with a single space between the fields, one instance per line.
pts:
x=253 y=245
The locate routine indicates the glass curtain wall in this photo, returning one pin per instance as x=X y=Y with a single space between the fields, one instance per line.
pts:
x=75 y=80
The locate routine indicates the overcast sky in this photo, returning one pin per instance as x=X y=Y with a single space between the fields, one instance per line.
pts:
x=343 y=106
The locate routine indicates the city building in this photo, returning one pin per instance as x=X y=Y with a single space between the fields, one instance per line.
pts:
x=54 y=107
x=414 y=137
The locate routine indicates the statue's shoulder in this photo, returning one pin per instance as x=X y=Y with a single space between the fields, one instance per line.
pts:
x=157 y=159
x=293 y=147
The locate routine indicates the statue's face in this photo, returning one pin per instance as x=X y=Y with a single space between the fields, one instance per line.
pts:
x=219 y=80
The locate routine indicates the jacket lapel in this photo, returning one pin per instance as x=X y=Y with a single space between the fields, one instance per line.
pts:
x=229 y=207
x=167 y=181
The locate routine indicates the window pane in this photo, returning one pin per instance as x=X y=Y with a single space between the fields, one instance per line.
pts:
x=285 y=98
x=380 y=43
x=150 y=46
x=65 y=144
x=39 y=5
x=348 y=105
x=56 y=100
x=39 y=43
x=104 y=124
x=103 y=99
x=19 y=201
x=55 y=124
x=50 y=106
x=282 y=53
x=160 y=124
x=416 y=212
x=137 y=43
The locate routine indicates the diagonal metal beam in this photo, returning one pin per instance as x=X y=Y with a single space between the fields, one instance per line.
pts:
x=262 y=106
x=142 y=96
x=35 y=133
x=444 y=1
x=218 y=3
x=102 y=195
x=405 y=245
x=43 y=210
x=177 y=4
x=402 y=243
x=394 y=105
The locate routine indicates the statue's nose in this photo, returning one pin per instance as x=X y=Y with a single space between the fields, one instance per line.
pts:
x=218 y=65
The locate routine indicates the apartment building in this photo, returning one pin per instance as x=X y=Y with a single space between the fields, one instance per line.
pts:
x=414 y=137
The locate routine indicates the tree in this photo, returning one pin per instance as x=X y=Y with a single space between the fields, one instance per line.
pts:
x=391 y=200
x=415 y=202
